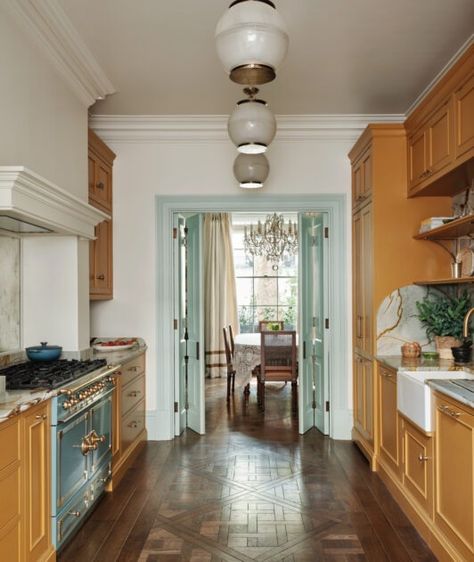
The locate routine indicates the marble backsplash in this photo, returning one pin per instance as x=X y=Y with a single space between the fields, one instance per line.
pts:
x=9 y=293
x=397 y=321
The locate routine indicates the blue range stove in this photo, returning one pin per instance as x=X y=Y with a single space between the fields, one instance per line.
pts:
x=81 y=427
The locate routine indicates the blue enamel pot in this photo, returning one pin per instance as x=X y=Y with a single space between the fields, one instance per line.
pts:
x=43 y=352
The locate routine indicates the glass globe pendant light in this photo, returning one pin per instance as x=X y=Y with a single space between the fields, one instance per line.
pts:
x=251 y=40
x=251 y=170
x=251 y=126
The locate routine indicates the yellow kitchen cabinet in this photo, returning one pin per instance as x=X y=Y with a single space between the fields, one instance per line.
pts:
x=454 y=469
x=100 y=196
x=25 y=476
x=37 y=469
x=441 y=134
x=11 y=481
x=388 y=420
x=363 y=390
x=418 y=465
x=383 y=225
x=128 y=416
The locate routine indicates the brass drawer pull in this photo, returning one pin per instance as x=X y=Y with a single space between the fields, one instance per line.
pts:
x=133 y=424
x=134 y=393
x=74 y=513
x=452 y=413
x=101 y=277
x=41 y=417
x=134 y=368
x=100 y=185
x=422 y=458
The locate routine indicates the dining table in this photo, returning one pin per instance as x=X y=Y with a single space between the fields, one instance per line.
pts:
x=247 y=356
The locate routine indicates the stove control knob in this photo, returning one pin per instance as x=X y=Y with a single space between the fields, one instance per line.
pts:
x=74 y=401
x=82 y=396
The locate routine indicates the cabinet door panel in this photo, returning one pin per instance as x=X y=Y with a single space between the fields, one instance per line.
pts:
x=369 y=399
x=418 y=465
x=37 y=468
x=367 y=174
x=464 y=118
x=358 y=283
x=454 y=509
x=417 y=158
x=367 y=279
x=101 y=261
x=440 y=138
x=389 y=421
x=358 y=389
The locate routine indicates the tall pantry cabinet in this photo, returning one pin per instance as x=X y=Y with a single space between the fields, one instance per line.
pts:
x=385 y=256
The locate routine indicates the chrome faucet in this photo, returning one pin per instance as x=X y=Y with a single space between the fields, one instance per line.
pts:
x=465 y=331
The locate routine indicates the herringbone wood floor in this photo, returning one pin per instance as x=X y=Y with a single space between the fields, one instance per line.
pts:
x=251 y=489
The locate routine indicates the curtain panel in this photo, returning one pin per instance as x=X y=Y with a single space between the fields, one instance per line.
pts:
x=220 y=296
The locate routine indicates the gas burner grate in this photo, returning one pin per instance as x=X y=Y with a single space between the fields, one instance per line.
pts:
x=49 y=375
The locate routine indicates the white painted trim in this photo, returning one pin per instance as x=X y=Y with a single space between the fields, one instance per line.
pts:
x=28 y=196
x=47 y=23
x=335 y=207
x=447 y=67
x=195 y=128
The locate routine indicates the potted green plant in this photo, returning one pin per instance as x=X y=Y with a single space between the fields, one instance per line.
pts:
x=443 y=317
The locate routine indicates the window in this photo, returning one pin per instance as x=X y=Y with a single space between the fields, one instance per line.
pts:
x=265 y=290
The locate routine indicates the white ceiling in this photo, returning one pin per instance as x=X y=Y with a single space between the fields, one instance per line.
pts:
x=346 y=56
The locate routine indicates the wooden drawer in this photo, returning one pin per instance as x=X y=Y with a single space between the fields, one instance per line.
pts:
x=10 y=495
x=132 y=425
x=132 y=393
x=10 y=543
x=10 y=442
x=132 y=369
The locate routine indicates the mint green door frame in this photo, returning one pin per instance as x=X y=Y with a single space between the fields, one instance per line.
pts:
x=338 y=365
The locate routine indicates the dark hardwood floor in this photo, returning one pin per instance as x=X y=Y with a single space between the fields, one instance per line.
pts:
x=251 y=489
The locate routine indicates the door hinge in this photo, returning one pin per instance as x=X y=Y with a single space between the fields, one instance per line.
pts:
x=175 y=233
x=326 y=323
x=175 y=323
x=197 y=351
x=313 y=241
x=176 y=407
x=326 y=232
x=327 y=405
x=313 y=405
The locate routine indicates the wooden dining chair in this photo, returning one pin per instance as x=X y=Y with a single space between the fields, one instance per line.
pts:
x=230 y=366
x=278 y=362
x=263 y=325
x=232 y=343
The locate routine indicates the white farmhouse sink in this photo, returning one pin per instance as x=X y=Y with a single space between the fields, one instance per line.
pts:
x=414 y=396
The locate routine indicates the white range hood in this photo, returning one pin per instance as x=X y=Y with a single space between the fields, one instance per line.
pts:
x=30 y=204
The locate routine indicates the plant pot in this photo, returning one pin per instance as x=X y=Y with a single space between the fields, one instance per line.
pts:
x=461 y=354
x=444 y=345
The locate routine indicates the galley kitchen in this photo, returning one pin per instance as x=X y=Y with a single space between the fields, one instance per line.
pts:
x=233 y=239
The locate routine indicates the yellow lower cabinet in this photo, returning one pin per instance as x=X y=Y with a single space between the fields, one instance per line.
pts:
x=454 y=469
x=37 y=476
x=389 y=421
x=11 y=526
x=417 y=465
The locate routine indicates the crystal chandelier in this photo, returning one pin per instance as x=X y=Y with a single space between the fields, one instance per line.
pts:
x=272 y=239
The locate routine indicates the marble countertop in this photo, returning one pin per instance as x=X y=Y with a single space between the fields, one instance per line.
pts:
x=14 y=402
x=451 y=389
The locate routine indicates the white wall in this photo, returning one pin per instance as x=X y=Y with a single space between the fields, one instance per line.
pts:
x=55 y=292
x=43 y=124
x=145 y=169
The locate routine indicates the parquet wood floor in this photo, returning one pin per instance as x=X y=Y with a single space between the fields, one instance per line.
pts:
x=251 y=489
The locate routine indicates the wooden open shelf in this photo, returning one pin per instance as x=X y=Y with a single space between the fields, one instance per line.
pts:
x=450 y=281
x=449 y=231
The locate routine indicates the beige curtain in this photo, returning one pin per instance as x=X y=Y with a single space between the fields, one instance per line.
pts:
x=220 y=298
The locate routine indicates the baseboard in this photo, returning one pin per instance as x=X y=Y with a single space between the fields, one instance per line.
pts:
x=441 y=547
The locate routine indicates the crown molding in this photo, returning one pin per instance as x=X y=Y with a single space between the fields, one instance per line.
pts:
x=205 y=128
x=29 y=197
x=47 y=23
x=447 y=67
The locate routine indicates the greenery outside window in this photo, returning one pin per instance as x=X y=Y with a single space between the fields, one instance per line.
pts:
x=265 y=290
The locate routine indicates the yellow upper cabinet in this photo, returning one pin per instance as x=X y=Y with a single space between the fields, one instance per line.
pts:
x=440 y=134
